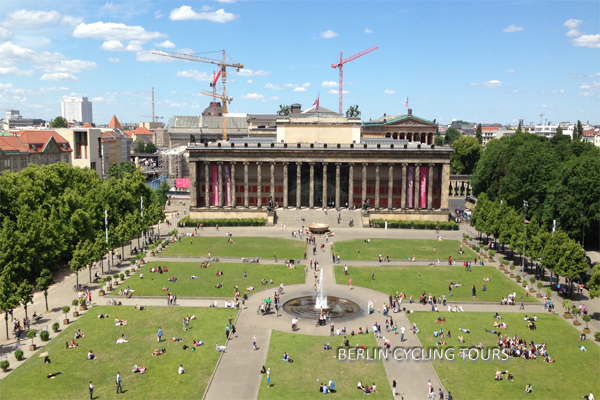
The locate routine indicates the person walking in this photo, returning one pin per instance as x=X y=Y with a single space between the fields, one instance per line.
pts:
x=522 y=304
x=373 y=274
x=159 y=334
x=268 y=378
x=350 y=281
x=119 y=387
x=91 y=390
x=402 y=334
x=394 y=386
x=254 y=342
x=332 y=329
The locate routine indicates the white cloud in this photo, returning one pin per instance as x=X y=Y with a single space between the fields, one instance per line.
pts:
x=112 y=45
x=59 y=76
x=573 y=33
x=185 y=13
x=194 y=74
x=69 y=20
x=307 y=84
x=109 y=6
x=387 y=91
x=157 y=14
x=328 y=34
x=98 y=99
x=573 y=23
x=195 y=106
x=512 y=28
x=113 y=31
x=249 y=72
x=134 y=45
x=253 y=96
x=559 y=91
x=273 y=87
x=490 y=84
x=147 y=56
x=227 y=1
x=368 y=30
x=250 y=81
x=24 y=19
x=329 y=84
x=167 y=44
x=509 y=71
x=74 y=66
x=4 y=34
x=114 y=60
x=300 y=89
x=15 y=71
x=591 y=41
x=544 y=106
x=333 y=91
x=273 y=98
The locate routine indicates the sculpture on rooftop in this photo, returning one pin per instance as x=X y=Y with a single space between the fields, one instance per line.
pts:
x=284 y=110
x=352 y=112
x=271 y=204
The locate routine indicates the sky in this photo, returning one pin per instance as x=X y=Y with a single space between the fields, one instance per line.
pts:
x=478 y=61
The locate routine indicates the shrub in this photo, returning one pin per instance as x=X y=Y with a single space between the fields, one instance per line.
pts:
x=486 y=248
x=465 y=236
x=82 y=301
x=549 y=292
x=587 y=319
x=4 y=364
x=55 y=327
x=532 y=280
x=402 y=224
x=18 y=354
x=45 y=335
x=152 y=247
x=512 y=267
x=540 y=285
x=116 y=276
x=74 y=303
x=66 y=310
x=567 y=305
x=132 y=261
x=492 y=253
x=142 y=255
x=518 y=277
x=505 y=262
x=597 y=336
x=31 y=334
x=502 y=260
x=122 y=276
x=127 y=272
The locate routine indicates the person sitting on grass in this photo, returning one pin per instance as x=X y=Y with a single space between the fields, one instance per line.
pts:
x=498 y=375
x=461 y=339
x=287 y=358
x=158 y=352
x=582 y=337
x=69 y=346
x=484 y=288
x=360 y=386
x=532 y=326
x=182 y=370
x=78 y=334
x=91 y=356
x=497 y=316
x=221 y=348
x=122 y=339
x=219 y=285
x=500 y=325
x=440 y=319
x=172 y=279
x=442 y=343
x=528 y=389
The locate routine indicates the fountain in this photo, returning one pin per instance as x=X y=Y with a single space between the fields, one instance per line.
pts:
x=321 y=301
x=319 y=229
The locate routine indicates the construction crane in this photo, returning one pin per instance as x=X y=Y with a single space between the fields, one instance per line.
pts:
x=221 y=63
x=213 y=84
x=150 y=116
x=341 y=67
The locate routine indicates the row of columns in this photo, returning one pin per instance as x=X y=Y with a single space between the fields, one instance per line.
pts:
x=459 y=188
x=417 y=192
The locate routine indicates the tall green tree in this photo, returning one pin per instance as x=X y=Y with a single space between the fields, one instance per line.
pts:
x=59 y=122
x=150 y=148
x=44 y=282
x=594 y=283
x=25 y=294
x=452 y=134
x=579 y=130
x=8 y=294
x=140 y=147
x=467 y=151
x=479 y=134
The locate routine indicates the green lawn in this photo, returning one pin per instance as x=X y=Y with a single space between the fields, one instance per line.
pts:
x=392 y=279
x=233 y=274
x=401 y=249
x=249 y=247
x=312 y=366
x=574 y=374
x=160 y=382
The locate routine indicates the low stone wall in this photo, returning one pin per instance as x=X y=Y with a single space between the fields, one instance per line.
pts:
x=197 y=213
x=437 y=216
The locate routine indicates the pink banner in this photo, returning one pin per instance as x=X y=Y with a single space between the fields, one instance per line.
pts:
x=410 y=186
x=423 y=197
x=215 y=185
x=228 y=185
x=182 y=182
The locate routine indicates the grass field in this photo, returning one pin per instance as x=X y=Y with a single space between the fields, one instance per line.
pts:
x=574 y=374
x=233 y=274
x=160 y=382
x=312 y=366
x=392 y=279
x=401 y=249
x=249 y=247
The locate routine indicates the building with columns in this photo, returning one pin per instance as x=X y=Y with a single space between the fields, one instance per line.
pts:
x=398 y=179
x=403 y=127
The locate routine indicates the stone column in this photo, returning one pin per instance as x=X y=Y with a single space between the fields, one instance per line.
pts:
x=377 y=168
x=403 y=188
x=207 y=184
x=337 y=184
x=417 y=186
x=390 y=187
x=311 y=194
x=246 y=202
x=273 y=181
x=364 y=183
x=298 y=184
x=259 y=183
x=350 y=185
x=324 y=184
x=445 y=182
x=430 y=188
x=220 y=178
x=285 y=185
x=193 y=185
x=233 y=192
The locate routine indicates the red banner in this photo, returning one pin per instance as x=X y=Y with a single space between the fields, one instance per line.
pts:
x=410 y=186
x=228 y=185
x=423 y=194
x=215 y=185
x=182 y=182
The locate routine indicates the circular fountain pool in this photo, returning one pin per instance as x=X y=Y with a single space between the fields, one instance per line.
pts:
x=304 y=307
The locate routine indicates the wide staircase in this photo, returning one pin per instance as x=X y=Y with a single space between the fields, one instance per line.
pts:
x=291 y=217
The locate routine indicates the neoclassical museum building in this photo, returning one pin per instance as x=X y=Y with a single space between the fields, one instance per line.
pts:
x=322 y=160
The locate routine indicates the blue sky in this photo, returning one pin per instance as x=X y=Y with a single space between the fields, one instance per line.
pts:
x=480 y=61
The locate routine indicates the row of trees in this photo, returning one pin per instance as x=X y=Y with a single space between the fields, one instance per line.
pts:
x=53 y=215
x=558 y=252
x=142 y=147
x=558 y=178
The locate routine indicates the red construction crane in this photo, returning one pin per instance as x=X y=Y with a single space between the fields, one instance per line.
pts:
x=213 y=84
x=341 y=67
x=222 y=63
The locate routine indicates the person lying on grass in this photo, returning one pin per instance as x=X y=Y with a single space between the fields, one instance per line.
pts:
x=464 y=330
x=141 y=370
x=176 y=339
x=122 y=339
x=70 y=346
x=103 y=316
x=198 y=343
x=502 y=325
x=120 y=322
x=158 y=352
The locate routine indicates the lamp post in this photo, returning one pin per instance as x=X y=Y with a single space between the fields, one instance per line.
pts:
x=583 y=231
x=525 y=205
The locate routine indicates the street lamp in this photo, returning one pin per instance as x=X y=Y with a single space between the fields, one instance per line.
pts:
x=525 y=205
x=583 y=231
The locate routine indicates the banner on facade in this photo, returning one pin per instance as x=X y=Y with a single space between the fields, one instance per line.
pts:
x=423 y=196
x=410 y=186
x=182 y=182
x=228 y=185
x=215 y=185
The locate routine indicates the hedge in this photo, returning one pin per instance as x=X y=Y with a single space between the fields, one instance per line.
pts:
x=191 y=223
x=444 y=226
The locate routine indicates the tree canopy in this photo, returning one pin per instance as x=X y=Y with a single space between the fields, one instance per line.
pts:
x=59 y=122
x=479 y=134
x=451 y=135
x=467 y=151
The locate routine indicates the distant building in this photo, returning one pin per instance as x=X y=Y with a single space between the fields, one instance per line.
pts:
x=549 y=131
x=14 y=120
x=33 y=146
x=401 y=127
x=204 y=129
x=151 y=125
x=77 y=109
x=488 y=133
x=592 y=135
x=86 y=145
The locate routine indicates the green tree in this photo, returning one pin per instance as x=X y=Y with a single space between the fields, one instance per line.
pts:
x=479 y=134
x=579 y=130
x=451 y=135
x=594 y=283
x=559 y=131
x=140 y=146
x=150 y=148
x=467 y=152
x=8 y=296
x=121 y=170
x=25 y=294
x=59 y=122
x=44 y=282
x=439 y=141
x=572 y=263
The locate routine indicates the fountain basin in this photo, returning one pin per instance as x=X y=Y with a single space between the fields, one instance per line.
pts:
x=304 y=307
x=318 y=228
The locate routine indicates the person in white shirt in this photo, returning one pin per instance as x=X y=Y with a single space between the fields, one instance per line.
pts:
x=181 y=370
